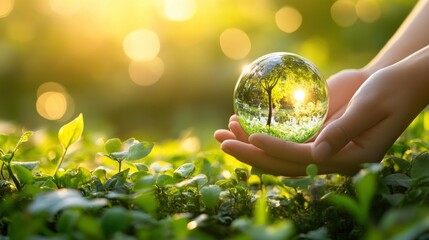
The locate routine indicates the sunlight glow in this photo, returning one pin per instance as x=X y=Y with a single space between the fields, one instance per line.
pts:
x=146 y=73
x=235 y=43
x=288 y=19
x=6 y=6
x=180 y=10
x=299 y=95
x=53 y=101
x=343 y=13
x=141 y=45
x=191 y=144
x=66 y=7
x=51 y=105
x=368 y=10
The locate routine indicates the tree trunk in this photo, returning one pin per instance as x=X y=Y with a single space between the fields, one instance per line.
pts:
x=270 y=108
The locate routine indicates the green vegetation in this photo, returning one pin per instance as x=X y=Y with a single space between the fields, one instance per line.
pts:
x=164 y=192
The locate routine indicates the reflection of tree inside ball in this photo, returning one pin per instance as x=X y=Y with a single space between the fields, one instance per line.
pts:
x=281 y=94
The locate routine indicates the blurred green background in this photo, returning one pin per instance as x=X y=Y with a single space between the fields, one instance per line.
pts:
x=159 y=69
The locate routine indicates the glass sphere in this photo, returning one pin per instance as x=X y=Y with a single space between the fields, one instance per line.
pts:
x=281 y=94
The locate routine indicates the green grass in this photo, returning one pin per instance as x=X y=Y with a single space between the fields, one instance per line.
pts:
x=168 y=192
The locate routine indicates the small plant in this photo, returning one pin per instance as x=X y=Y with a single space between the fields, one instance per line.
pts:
x=23 y=175
x=131 y=150
x=68 y=135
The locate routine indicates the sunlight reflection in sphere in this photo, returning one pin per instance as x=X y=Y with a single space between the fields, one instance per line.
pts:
x=281 y=94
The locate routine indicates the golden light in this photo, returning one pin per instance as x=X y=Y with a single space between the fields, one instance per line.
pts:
x=299 y=95
x=50 y=87
x=6 y=7
x=146 y=73
x=53 y=101
x=343 y=13
x=51 y=105
x=235 y=43
x=288 y=19
x=180 y=10
x=66 y=7
x=368 y=10
x=191 y=144
x=141 y=45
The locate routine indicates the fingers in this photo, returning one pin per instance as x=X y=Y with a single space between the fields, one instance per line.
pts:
x=222 y=135
x=258 y=158
x=236 y=131
x=293 y=152
x=359 y=117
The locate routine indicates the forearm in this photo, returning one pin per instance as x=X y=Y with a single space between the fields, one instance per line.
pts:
x=411 y=36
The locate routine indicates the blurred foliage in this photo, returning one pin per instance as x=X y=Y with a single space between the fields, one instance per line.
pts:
x=176 y=192
x=80 y=46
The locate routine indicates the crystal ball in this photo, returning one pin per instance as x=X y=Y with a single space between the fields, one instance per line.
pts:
x=283 y=95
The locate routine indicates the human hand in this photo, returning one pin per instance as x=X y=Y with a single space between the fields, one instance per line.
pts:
x=287 y=158
x=357 y=131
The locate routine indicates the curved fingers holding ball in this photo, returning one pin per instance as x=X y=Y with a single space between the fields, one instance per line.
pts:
x=275 y=155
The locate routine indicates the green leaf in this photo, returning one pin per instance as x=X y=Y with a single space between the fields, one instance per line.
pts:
x=398 y=179
x=67 y=221
x=28 y=165
x=198 y=180
x=139 y=150
x=242 y=174
x=25 y=137
x=420 y=166
x=347 y=203
x=261 y=210
x=299 y=183
x=210 y=195
x=365 y=188
x=55 y=201
x=115 y=219
x=23 y=174
x=113 y=145
x=74 y=178
x=184 y=171
x=406 y=223
x=71 y=132
x=311 y=170
x=163 y=180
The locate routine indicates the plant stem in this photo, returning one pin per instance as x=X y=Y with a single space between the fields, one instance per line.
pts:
x=14 y=179
x=61 y=161
x=120 y=166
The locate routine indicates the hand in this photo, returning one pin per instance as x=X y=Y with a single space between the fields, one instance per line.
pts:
x=358 y=129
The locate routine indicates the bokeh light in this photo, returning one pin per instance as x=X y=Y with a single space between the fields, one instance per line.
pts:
x=180 y=10
x=368 y=10
x=53 y=102
x=66 y=7
x=141 y=45
x=6 y=7
x=343 y=13
x=288 y=19
x=235 y=43
x=146 y=73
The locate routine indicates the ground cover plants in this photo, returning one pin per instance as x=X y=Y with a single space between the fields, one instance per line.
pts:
x=74 y=184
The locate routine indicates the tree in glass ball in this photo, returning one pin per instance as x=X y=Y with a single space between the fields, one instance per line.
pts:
x=281 y=94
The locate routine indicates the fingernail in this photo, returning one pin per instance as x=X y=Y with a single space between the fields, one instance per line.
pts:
x=322 y=151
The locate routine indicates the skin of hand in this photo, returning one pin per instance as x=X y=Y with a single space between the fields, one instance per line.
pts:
x=366 y=116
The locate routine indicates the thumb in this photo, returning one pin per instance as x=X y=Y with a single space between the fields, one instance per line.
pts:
x=357 y=119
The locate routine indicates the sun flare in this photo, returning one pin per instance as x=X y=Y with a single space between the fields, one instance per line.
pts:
x=299 y=95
